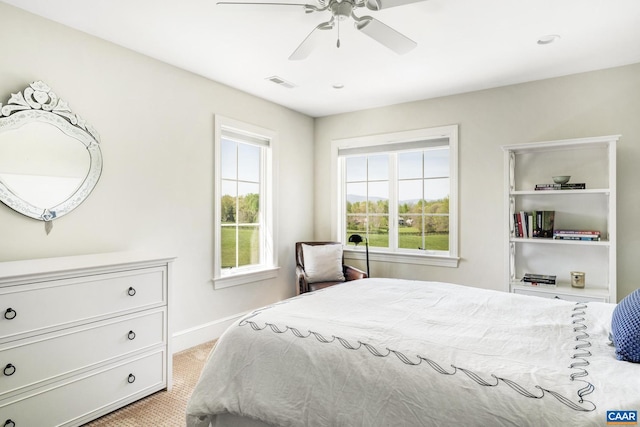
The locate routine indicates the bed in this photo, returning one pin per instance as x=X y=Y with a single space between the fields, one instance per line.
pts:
x=389 y=352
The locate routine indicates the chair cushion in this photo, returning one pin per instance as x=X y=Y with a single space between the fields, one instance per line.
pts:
x=323 y=263
x=625 y=328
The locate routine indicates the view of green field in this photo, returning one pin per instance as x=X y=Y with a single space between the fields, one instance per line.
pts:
x=408 y=238
x=248 y=251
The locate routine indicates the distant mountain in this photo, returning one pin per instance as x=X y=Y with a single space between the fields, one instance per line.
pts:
x=353 y=198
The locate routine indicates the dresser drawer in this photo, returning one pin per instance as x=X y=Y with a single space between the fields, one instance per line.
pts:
x=42 y=307
x=40 y=360
x=77 y=401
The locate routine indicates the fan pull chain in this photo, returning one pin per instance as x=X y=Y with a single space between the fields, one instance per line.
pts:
x=338 y=43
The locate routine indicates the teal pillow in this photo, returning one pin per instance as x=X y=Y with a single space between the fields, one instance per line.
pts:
x=625 y=328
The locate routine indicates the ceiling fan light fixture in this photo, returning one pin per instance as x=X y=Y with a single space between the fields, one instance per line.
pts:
x=338 y=86
x=341 y=9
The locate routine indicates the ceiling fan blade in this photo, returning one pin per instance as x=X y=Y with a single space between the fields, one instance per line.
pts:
x=309 y=43
x=308 y=8
x=384 y=34
x=386 y=4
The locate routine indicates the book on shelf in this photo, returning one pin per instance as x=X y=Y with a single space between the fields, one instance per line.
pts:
x=545 y=222
x=586 y=235
x=533 y=224
x=531 y=279
x=583 y=238
x=567 y=186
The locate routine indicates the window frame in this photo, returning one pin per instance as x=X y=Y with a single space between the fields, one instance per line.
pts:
x=338 y=203
x=268 y=267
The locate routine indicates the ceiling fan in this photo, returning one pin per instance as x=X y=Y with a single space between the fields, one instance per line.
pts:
x=341 y=10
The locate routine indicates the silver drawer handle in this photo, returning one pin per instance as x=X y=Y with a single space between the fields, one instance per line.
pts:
x=131 y=291
x=10 y=314
x=9 y=370
x=131 y=378
x=131 y=335
x=9 y=423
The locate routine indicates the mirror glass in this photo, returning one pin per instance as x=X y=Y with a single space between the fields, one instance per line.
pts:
x=41 y=164
x=50 y=158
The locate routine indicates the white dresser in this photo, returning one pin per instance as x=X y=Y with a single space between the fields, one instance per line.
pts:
x=81 y=336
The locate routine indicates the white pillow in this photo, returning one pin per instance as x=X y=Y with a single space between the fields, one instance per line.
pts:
x=323 y=263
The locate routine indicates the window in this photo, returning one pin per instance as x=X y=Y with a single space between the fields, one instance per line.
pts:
x=399 y=191
x=244 y=234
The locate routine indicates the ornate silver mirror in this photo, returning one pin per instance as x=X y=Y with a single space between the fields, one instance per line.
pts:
x=50 y=158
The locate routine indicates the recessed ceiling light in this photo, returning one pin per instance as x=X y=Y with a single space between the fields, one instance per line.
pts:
x=338 y=86
x=548 y=39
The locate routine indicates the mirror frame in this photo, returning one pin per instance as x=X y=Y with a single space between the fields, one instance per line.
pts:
x=38 y=103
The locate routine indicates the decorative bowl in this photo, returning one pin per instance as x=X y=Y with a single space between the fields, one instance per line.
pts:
x=561 y=179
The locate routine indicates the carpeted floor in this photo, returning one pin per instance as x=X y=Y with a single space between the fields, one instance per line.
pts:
x=163 y=409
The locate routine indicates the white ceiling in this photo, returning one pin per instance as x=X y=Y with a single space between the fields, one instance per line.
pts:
x=463 y=45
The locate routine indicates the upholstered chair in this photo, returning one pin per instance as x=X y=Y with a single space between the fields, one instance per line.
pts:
x=321 y=264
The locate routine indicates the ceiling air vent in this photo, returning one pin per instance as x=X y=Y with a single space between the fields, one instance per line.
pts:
x=280 y=81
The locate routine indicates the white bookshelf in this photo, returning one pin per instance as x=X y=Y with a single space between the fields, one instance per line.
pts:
x=588 y=160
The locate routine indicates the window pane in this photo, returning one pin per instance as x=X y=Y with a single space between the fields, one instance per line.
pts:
x=356 y=168
x=410 y=165
x=378 y=233
x=356 y=224
x=436 y=189
x=378 y=197
x=356 y=197
x=248 y=203
x=410 y=232
x=248 y=245
x=228 y=209
x=228 y=202
x=436 y=242
x=228 y=162
x=436 y=163
x=228 y=246
x=378 y=168
x=409 y=193
x=248 y=163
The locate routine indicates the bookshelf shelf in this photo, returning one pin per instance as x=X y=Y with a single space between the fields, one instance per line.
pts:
x=560 y=242
x=547 y=193
x=591 y=161
x=563 y=291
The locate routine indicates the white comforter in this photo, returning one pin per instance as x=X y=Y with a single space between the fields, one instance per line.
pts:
x=389 y=352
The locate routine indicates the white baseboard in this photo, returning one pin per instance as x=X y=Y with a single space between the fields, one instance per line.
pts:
x=191 y=337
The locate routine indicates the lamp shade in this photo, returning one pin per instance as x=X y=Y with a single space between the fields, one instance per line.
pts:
x=355 y=238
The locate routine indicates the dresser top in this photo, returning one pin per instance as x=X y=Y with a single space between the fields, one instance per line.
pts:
x=76 y=265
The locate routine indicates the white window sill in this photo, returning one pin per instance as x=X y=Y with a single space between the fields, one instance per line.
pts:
x=245 y=277
x=403 y=258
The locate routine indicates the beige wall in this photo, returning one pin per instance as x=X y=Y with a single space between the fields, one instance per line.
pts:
x=156 y=126
x=590 y=104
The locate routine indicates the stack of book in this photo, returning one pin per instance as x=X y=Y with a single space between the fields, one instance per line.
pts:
x=534 y=224
x=539 y=280
x=589 y=235
x=567 y=186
